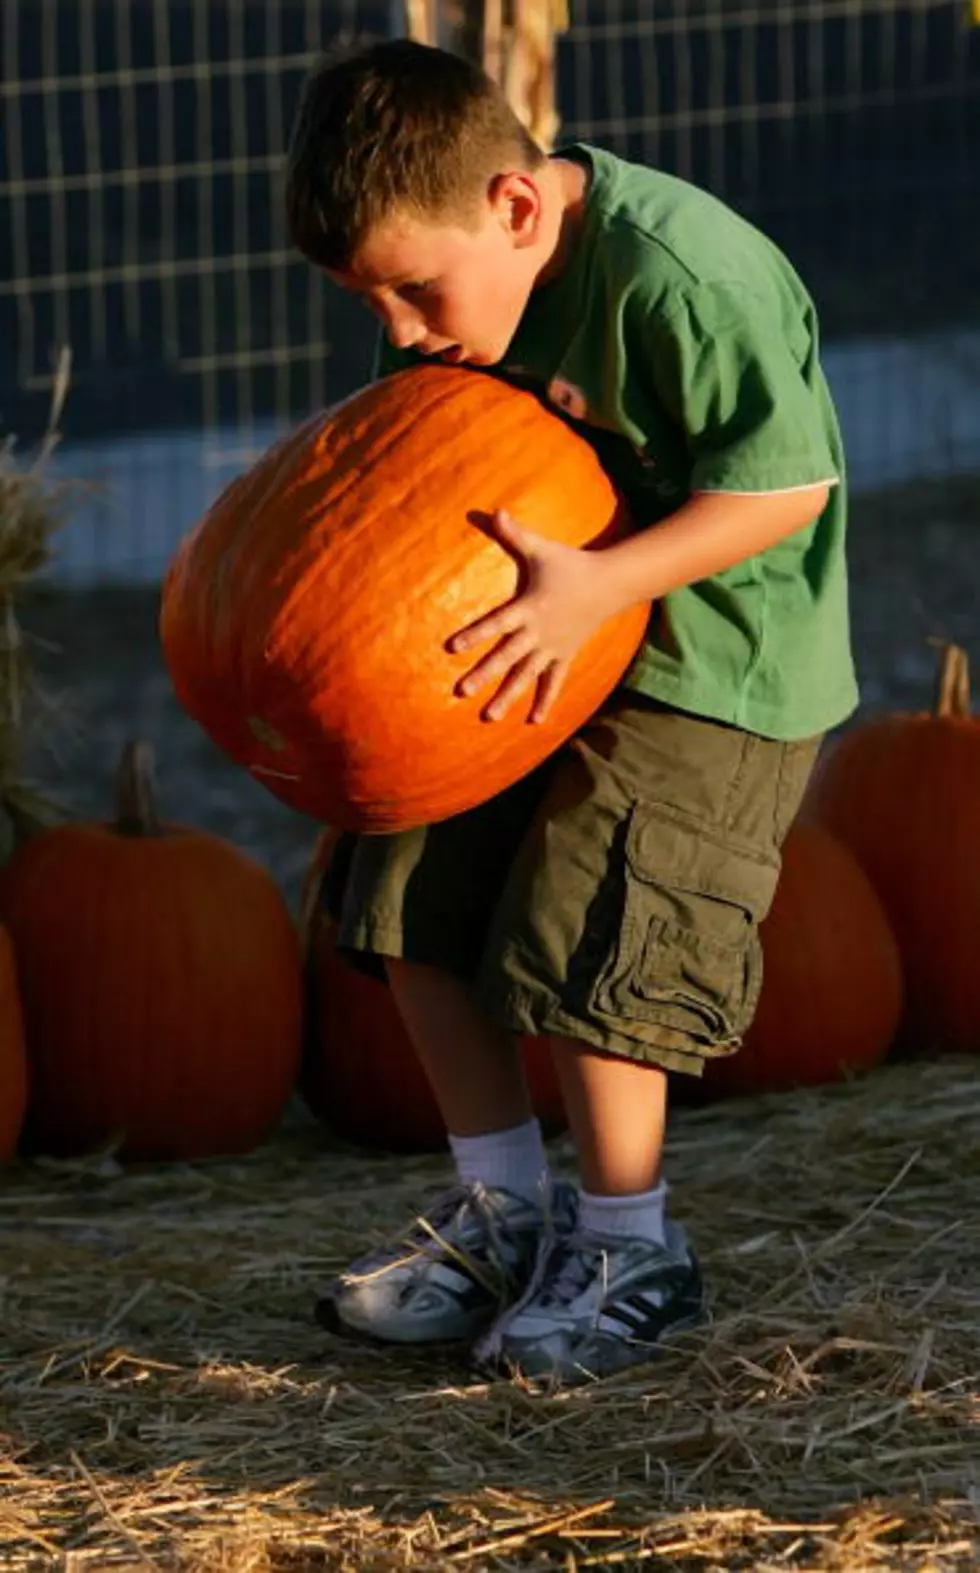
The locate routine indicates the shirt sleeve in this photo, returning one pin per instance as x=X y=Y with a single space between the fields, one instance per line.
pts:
x=725 y=372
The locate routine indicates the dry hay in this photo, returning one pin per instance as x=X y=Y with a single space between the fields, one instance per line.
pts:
x=168 y=1401
x=32 y=508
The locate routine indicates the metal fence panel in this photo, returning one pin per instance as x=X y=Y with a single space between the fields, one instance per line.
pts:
x=140 y=221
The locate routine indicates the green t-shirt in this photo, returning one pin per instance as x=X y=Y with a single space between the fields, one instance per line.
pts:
x=680 y=342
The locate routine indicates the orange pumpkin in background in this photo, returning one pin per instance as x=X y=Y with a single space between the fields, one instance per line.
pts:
x=305 y=620
x=13 y=1061
x=161 y=984
x=360 y=1074
x=903 y=793
x=832 y=980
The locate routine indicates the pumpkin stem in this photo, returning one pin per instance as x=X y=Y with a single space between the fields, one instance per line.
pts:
x=136 y=810
x=953 y=688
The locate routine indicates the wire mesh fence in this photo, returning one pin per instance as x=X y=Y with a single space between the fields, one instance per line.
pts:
x=140 y=219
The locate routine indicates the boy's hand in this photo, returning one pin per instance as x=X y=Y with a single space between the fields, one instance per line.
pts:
x=542 y=629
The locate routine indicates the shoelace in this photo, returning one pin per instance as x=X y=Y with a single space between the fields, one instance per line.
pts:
x=494 y=1274
x=489 y=1346
x=426 y=1236
x=565 y=1265
x=571 y=1265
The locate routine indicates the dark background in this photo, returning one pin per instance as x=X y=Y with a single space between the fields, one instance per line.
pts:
x=849 y=131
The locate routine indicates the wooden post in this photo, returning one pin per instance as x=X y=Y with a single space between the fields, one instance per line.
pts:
x=529 y=79
x=514 y=40
x=422 y=20
x=493 y=38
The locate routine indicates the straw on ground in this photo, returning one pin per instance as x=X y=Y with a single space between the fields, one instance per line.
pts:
x=168 y=1401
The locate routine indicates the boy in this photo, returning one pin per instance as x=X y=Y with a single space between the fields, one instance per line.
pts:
x=613 y=898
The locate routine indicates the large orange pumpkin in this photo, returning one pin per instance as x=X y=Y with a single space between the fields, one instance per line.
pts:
x=832 y=981
x=13 y=1063
x=360 y=1074
x=161 y=983
x=305 y=620
x=903 y=792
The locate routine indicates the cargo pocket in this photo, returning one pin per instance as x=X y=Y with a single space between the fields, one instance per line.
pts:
x=687 y=959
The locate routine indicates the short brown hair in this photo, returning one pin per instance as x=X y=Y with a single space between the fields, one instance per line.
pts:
x=396 y=125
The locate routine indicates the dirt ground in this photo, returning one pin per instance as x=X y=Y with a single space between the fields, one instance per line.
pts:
x=915 y=569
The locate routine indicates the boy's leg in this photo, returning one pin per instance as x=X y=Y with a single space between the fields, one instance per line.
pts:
x=493 y=1132
x=416 y=908
x=479 y=1090
x=629 y=931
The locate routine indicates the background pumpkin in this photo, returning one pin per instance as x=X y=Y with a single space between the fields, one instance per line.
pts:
x=161 y=984
x=832 y=981
x=305 y=620
x=360 y=1074
x=13 y=1062
x=903 y=792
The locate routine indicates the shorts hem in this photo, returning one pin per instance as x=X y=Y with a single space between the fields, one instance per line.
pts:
x=380 y=939
x=521 y=1010
x=370 y=938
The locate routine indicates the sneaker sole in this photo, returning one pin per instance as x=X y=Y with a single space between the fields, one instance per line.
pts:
x=507 y=1369
x=328 y=1317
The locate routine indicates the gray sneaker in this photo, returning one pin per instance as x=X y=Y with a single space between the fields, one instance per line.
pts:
x=457 y=1267
x=596 y=1305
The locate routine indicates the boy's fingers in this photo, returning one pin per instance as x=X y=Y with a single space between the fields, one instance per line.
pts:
x=525 y=541
x=498 y=663
x=494 y=626
x=507 y=525
x=550 y=683
x=516 y=683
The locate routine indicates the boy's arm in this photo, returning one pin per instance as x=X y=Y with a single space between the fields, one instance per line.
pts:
x=570 y=592
x=710 y=532
x=761 y=468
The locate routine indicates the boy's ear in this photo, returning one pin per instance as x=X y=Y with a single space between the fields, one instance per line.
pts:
x=516 y=202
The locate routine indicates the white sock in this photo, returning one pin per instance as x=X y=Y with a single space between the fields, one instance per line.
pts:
x=638 y=1217
x=512 y=1160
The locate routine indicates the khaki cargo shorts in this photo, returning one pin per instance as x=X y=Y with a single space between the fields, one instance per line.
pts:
x=614 y=896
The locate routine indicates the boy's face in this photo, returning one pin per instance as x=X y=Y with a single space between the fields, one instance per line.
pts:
x=453 y=290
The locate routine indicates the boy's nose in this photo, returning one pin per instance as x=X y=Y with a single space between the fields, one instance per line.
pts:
x=405 y=331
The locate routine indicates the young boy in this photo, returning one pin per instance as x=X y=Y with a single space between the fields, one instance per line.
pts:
x=613 y=898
